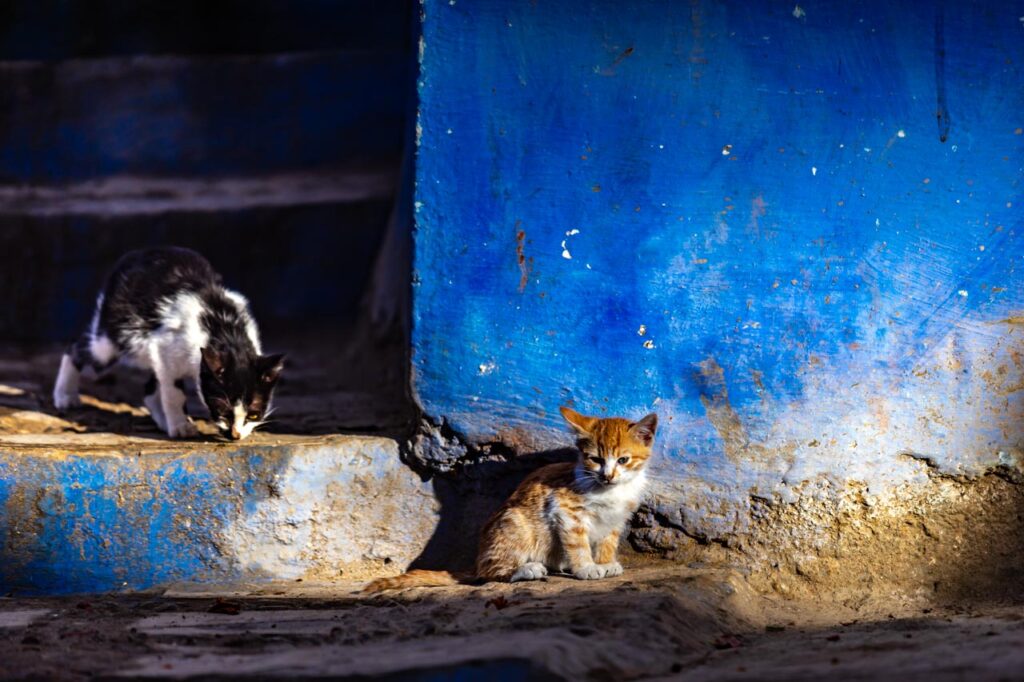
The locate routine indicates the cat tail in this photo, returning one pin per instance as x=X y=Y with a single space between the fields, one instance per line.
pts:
x=417 y=578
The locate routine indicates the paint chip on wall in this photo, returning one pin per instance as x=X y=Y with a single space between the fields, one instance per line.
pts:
x=565 y=251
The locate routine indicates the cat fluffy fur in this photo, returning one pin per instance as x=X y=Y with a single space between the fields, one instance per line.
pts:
x=564 y=517
x=165 y=310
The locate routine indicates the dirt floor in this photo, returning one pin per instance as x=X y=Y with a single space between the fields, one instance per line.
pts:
x=654 y=622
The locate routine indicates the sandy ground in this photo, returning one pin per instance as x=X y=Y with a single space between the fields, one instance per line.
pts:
x=654 y=622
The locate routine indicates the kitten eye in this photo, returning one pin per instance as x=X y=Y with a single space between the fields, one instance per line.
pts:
x=595 y=460
x=252 y=416
x=623 y=460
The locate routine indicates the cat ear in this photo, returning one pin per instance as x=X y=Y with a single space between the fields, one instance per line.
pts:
x=272 y=366
x=213 y=361
x=644 y=429
x=577 y=421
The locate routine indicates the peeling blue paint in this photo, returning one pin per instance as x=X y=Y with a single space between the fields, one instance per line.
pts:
x=117 y=520
x=756 y=191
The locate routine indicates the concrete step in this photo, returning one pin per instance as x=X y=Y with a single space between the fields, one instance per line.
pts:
x=99 y=512
x=299 y=245
x=199 y=116
x=126 y=195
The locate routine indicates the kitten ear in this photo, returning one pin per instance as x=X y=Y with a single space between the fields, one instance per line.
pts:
x=272 y=365
x=644 y=429
x=213 y=361
x=577 y=421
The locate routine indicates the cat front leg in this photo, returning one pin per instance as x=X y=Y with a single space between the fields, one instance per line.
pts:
x=172 y=401
x=605 y=554
x=576 y=546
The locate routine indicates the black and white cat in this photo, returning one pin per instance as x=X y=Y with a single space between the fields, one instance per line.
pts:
x=166 y=310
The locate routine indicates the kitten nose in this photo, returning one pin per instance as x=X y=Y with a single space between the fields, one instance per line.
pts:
x=235 y=435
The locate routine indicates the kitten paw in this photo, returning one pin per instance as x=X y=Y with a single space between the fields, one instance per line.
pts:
x=611 y=569
x=533 y=570
x=590 y=572
x=63 y=401
x=185 y=429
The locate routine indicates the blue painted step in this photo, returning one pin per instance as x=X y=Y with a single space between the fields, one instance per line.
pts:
x=100 y=512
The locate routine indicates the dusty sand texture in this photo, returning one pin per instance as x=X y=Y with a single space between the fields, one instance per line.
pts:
x=952 y=540
x=655 y=622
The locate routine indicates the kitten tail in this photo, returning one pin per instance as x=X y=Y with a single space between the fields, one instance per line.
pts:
x=417 y=578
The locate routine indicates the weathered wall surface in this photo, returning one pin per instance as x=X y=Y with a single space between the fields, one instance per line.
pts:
x=99 y=512
x=794 y=232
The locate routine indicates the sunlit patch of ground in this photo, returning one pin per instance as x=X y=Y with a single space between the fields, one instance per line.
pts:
x=654 y=622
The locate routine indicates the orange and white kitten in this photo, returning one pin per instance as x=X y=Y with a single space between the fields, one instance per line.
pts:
x=564 y=517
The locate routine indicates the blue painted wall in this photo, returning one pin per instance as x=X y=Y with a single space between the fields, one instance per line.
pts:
x=793 y=231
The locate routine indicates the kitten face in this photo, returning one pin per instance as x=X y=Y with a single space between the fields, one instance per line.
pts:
x=613 y=451
x=238 y=390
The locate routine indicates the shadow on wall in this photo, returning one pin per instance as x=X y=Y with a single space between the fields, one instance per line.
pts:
x=952 y=540
x=468 y=497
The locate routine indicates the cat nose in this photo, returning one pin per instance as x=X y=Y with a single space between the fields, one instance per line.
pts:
x=235 y=435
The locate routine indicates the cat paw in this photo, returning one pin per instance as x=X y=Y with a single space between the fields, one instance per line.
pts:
x=530 y=571
x=611 y=569
x=590 y=572
x=63 y=401
x=185 y=429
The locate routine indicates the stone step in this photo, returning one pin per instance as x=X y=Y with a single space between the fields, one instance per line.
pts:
x=203 y=116
x=298 y=245
x=103 y=512
x=125 y=195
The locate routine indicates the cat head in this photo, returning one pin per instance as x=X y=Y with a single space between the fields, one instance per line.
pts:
x=237 y=389
x=612 y=450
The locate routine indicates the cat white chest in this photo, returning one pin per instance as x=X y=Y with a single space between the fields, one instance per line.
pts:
x=609 y=509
